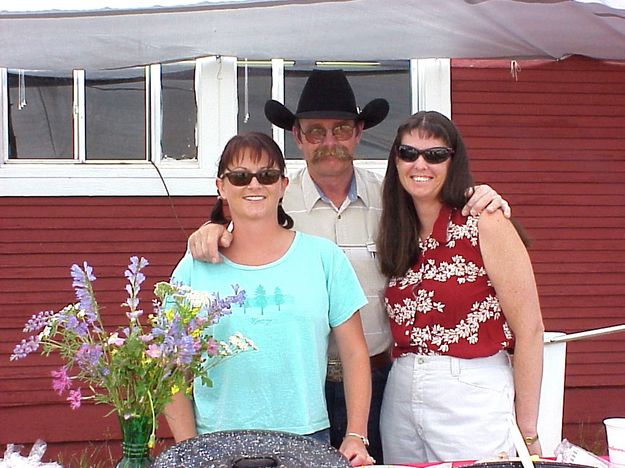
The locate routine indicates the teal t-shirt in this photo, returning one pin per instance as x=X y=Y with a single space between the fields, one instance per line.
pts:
x=291 y=306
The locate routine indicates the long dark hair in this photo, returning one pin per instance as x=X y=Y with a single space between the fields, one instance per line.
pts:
x=398 y=244
x=256 y=145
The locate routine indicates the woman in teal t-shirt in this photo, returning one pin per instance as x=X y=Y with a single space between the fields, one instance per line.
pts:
x=298 y=289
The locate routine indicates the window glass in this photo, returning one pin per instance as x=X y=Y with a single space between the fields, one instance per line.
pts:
x=179 y=110
x=388 y=79
x=40 y=115
x=115 y=108
x=253 y=90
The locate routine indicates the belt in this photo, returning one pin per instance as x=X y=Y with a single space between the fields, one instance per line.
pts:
x=335 y=368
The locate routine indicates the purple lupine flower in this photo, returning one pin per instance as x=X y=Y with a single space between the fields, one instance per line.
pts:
x=88 y=357
x=82 y=276
x=135 y=279
x=24 y=348
x=60 y=380
x=186 y=349
x=137 y=264
x=76 y=326
x=82 y=287
x=38 y=321
x=74 y=398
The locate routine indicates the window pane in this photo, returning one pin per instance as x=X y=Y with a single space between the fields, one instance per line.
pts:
x=179 y=110
x=253 y=93
x=389 y=80
x=115 y=114
x=40 y=115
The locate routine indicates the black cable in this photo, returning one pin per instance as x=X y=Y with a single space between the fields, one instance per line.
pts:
x=171 y=201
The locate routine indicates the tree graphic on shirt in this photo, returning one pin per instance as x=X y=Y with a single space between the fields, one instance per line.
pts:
x=261 y=298
x=278 y=297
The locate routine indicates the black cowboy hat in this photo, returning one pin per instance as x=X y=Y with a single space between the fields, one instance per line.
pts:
x=327 y=95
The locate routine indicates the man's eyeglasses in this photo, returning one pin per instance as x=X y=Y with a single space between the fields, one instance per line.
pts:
x=431 y=155
x=243 y=178
x=317 y=134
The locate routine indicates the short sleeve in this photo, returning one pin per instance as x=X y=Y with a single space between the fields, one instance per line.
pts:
x=182 y=272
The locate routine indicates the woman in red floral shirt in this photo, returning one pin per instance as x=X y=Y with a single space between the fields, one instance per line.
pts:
x=463 y=309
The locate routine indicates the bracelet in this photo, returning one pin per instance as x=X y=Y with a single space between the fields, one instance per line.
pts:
x=529 y=440
x=365 y=441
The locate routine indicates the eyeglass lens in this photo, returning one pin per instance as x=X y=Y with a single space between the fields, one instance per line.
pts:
x=431 y=155
x=264 y=176
x=317 y=134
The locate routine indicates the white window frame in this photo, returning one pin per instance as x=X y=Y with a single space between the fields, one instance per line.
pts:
x=217 y=107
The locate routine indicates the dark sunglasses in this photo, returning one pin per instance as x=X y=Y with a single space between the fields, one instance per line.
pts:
x=242 y=178
x=431 y=155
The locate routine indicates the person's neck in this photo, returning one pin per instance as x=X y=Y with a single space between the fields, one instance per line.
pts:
x=258 y=242
x=428 y=214
x=334 y=186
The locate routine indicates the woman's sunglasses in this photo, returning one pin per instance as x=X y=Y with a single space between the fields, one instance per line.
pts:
x=431 y=155
x=242 y=178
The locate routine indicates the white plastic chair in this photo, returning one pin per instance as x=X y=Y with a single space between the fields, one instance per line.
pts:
x=552 y=390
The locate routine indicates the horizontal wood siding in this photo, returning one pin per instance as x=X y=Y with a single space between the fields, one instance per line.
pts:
x=40 y=238
x=552 y=140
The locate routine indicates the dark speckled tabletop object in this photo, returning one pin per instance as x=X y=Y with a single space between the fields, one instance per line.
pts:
x=250 y=449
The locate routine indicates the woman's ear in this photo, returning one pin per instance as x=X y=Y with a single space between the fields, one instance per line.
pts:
x=219 y=183
x=285 y=184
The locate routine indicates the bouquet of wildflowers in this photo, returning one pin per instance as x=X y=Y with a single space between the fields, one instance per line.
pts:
x=137 y=368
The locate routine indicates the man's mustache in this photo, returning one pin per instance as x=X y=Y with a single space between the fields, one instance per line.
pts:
x=339 y=152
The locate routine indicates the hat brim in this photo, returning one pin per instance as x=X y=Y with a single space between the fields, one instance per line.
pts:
x=279 y=115
x=372 y=114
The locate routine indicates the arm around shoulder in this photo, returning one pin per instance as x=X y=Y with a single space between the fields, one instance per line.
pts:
x=205 y=242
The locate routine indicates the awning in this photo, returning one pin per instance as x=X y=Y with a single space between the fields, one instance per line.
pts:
x=307 y=29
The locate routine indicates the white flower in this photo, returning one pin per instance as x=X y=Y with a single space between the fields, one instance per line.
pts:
x=199 y=299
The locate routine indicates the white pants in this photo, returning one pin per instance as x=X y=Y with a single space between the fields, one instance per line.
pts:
x=445 y=408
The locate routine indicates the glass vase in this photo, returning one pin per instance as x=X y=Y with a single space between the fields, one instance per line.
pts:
x=136 y=432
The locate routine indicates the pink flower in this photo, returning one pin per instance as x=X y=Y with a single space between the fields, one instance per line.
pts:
x=116 y=340
x=146 y=338
x=154 y=351
x=74 y=399
x=60 y=380
x=212 y=348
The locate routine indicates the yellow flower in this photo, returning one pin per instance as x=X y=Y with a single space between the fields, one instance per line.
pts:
x=175 y=389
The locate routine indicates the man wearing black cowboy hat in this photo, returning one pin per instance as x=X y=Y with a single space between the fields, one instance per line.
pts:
x=334 y=199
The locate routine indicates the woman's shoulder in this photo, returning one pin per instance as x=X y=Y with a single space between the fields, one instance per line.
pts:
x=495 y=227
x=496 y=220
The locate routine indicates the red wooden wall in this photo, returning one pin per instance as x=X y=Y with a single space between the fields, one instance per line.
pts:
x=40 y=238
x=552 y=140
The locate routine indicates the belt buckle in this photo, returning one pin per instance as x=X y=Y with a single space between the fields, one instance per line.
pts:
x=335 y=371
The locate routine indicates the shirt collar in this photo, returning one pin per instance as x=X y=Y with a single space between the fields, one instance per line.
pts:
x=439 y=232
x=312 y=192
